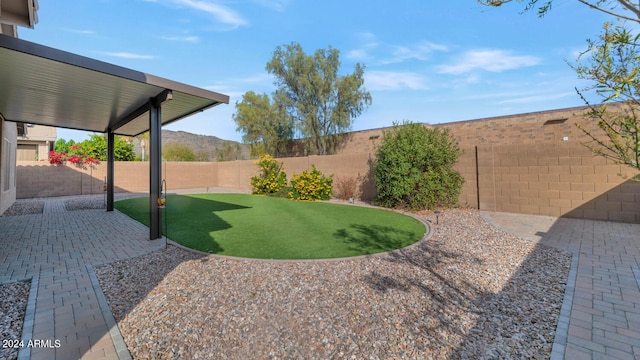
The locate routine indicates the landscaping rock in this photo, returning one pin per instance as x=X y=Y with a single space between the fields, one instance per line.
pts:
x=13 y=304
x=471 y=291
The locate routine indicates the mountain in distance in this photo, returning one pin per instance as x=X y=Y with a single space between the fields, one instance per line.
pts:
x=211 y=145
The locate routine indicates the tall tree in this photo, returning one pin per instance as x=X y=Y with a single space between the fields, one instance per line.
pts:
x=322 y=102
x=264 y=124
x=62 y=145
x=623 y=9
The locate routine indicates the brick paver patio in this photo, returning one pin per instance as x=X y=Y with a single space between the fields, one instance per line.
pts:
x=600 y=316
x=57 y=250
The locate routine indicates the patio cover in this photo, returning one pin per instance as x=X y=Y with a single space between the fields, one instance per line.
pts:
x=47 y=86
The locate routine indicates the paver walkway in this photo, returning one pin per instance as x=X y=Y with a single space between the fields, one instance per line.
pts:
x=600 y=316
x=56 y=250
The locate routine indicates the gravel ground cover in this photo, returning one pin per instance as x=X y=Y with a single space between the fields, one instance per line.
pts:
x=13 y=304
x=470 y=291
x=25 y=207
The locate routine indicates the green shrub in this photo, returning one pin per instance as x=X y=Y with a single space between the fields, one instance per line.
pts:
x=311 y=186
x=414 y=168
x=272 y=178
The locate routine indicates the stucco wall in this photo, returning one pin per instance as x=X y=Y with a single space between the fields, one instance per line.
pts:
x=8 y=134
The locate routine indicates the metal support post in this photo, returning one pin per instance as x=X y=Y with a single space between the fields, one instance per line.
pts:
x=110 y=161
x=155 y=166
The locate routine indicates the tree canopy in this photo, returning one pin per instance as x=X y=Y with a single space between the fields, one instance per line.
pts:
x=312 y=99
x=96 y=146
x=612 y=64
x=63 y=145
x=622 y=9
x=321 y=102
x=265 y=124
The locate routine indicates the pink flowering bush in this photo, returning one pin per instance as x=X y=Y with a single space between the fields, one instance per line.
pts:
x=76 y=155
x=57 y=158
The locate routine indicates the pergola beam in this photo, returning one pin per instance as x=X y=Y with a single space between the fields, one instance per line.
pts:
x=165 y=95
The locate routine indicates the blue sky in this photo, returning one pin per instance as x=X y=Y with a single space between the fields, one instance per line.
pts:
x=431 y=61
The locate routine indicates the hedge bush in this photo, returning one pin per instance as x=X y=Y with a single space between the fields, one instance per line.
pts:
x=414 y=168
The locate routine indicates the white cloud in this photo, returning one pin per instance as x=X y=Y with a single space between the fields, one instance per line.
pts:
x=369 y=43
x=127 y=55
x=357 y=54
x=537 y=98
x=421 y=51
x=259 y=78
x=391 y=80
x=493 y=60
x=181 y=38
x=82 y=31
x=277 y=5
x=219 y=12
x=383 y=53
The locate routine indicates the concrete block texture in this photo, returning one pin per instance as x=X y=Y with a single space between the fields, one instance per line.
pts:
x=527 y=163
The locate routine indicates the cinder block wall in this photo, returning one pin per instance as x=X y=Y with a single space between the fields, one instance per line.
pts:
x=517 y=163
x=556 y=179
x=538 y=127
x=237 y=174
x=40 y=179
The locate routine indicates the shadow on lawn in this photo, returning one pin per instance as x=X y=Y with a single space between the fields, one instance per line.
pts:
x=370 y=239
x=187 y=220
x=191 y=220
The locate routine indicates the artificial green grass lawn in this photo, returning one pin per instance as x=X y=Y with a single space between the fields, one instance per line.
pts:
x=275 y=228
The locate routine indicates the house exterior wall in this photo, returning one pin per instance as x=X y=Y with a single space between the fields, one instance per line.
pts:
x=8 y=130
x=42 y=137
x=8 y=135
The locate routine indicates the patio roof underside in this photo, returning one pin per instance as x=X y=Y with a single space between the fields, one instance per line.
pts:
x=46 y=86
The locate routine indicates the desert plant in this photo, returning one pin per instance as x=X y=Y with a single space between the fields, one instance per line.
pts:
x=311 y=185
x=272 y=177
x=414 y=168
x=347 y=187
